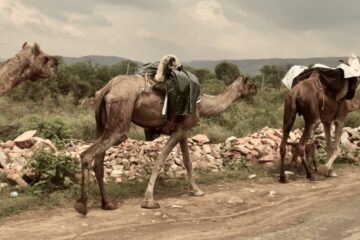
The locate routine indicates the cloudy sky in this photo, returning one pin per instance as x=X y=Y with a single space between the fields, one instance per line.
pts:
x=144 y=30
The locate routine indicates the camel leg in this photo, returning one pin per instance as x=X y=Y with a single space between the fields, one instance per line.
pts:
x=116 y=129
x=329 y=148
x=301 y=149
x=288 y=122
x=194 y=189
x=101 y=145
x=327 y=168
x=106 y=204
x=148 y=201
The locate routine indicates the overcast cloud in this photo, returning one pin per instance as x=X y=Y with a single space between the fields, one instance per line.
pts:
x=192 y=29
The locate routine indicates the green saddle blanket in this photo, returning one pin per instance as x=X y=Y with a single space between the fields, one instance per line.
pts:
x=182 y=88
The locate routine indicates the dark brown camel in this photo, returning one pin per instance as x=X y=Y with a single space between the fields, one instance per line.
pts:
x=311 y=99
x=29 y=64
x=123 y=100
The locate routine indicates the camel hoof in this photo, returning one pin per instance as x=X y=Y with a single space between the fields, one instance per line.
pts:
x=197 y=193
x=311 y=178
x=81 y=208
x=283 y=180
x=109 y=206
x=150 y=204
x=325 y=171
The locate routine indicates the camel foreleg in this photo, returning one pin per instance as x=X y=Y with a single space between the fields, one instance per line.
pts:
x=148 y=201
x=327 y=168
x=194 y=189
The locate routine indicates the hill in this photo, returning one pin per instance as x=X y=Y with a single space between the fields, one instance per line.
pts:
x=252 y=66
x=248 y=66
x=103 y=60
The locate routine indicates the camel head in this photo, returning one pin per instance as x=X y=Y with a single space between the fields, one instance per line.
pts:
x=40 y=64
x=245 y=86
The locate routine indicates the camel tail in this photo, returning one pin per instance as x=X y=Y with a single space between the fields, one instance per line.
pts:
x=100 y=109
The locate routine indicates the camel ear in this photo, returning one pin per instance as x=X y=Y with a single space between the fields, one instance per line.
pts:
x=23 y=46
x=36 y=49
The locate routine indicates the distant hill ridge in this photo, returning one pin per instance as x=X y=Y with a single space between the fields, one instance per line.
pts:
x=248 y=66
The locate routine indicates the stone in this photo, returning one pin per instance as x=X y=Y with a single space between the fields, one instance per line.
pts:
x=116 y=173
x=252 y=176
x=126 y=164
x=9 y=144
x=267 y=158
x=201 y=138
x=3 y=159
x=26 y=139
x=344 y=139
x=235 y=200
x=242 y=149
x=207 y=148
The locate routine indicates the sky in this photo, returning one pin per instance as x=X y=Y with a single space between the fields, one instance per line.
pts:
x=145 y=30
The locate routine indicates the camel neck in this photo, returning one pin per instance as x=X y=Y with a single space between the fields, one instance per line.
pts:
x=12 y=73
x=211 y=105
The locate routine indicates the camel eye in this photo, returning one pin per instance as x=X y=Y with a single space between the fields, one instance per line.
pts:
x=46 y=59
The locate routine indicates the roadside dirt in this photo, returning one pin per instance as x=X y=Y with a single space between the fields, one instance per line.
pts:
x=270 y=211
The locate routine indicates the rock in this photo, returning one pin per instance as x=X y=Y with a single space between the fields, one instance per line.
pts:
x=14 y=194
x=242 y=149
x=252 y=176
x=116 y=173
x=158 y=214
x=267 y=158
x=230 y=139
x=3 y=159
x=201 y=138
x=272 y=193
x=26 y=139
x=9 y=144
x=177 y=206
x=235 y=200
x=126 y=164
x=16 y=178
x=207 y=148
x=344 y=139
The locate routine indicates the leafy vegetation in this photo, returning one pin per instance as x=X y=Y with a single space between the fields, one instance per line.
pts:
x=52 y=172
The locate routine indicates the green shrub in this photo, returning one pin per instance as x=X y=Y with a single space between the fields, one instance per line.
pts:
x=53 y=128
x=52 y=172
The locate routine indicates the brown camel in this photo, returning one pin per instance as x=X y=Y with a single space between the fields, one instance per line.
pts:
x=29 y=64
x=123 y=100
x=311 y=99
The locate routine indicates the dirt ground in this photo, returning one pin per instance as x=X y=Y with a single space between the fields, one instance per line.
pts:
x=326 y=209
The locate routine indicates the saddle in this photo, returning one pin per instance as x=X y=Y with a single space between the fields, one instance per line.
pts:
x=333 y=79
x=180 y=89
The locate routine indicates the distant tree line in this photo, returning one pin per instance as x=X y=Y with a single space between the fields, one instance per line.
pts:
x=83 y=79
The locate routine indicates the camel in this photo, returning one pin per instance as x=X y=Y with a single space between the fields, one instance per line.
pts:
x=122 y=101
x=29 y=64
x=311 y=99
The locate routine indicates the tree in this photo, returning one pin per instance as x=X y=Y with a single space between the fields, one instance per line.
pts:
x=226 y=72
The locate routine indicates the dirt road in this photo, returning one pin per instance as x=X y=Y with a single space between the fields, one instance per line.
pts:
x=326 y=209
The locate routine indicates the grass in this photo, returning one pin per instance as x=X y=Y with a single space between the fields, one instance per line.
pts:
x=165 y=186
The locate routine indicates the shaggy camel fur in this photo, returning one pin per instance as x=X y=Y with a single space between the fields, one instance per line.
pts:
x=123 y=100
x=29 y=64
x=311 y=99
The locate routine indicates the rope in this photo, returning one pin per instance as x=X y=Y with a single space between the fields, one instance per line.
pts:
x=318 y=83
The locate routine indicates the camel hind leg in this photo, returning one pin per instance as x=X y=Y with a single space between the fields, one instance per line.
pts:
x=301 y=149
x=106 y=204
x=288 y=122
x=115 y=131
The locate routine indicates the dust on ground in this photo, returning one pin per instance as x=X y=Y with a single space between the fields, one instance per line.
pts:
x=260 y=209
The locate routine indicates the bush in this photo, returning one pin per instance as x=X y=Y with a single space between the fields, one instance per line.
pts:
x=53 y=128
x=226 y=72
x=52 y=172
